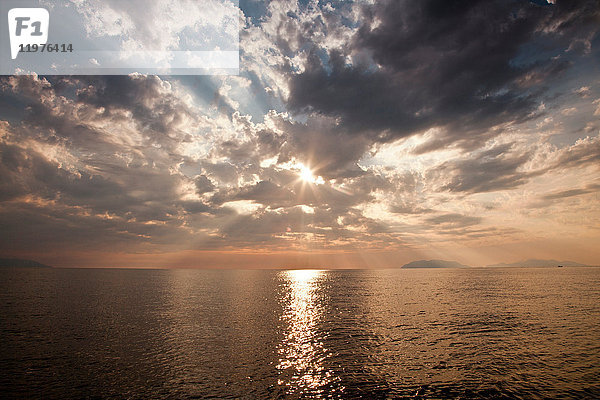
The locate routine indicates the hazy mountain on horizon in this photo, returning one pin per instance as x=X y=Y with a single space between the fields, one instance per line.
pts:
x=18 y=262
x=434 y=264
x=539 y=263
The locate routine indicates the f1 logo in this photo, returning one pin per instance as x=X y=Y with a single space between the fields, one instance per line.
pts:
x=27 y=26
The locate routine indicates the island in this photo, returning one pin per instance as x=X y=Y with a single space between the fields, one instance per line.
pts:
x=20 y=263
x=434 y=264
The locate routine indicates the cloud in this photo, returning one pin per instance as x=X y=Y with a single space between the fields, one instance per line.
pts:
x=593 y=188
x=414 y=124
x=428 y=71
x=203 y=184
x=453 y=221
x=83 y=157
x=585 y=151
x=583 y=91
x=107 y=153
x=511 y=165
x=498 y=168
x=159 y=24
x=597 y=102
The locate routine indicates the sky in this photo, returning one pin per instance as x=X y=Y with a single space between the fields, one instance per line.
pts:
x=358 y=134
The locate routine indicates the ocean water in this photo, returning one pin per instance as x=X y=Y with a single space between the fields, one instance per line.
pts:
x=430 y=334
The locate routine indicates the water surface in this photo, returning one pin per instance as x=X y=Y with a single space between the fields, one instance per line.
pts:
x=451 y=333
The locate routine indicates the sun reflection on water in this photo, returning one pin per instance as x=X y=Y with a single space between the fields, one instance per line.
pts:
x=302 y=352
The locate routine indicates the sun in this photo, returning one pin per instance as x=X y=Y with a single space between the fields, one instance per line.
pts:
x=307 y=176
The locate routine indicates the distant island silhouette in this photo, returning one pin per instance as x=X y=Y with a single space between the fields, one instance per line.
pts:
x=539 y=263
x=434 y=264
x=17 y=262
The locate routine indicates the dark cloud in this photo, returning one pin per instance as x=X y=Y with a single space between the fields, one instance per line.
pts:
x=593 y=188
x=498 y=168
x=479 y=233
x=203 y=184
x=407 y=208
x=451 y=64
x=223 y=172
x=452 y=220
x=268 y=193
x=505 y=166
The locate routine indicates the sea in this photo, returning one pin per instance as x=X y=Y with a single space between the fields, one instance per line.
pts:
x=479 y=333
